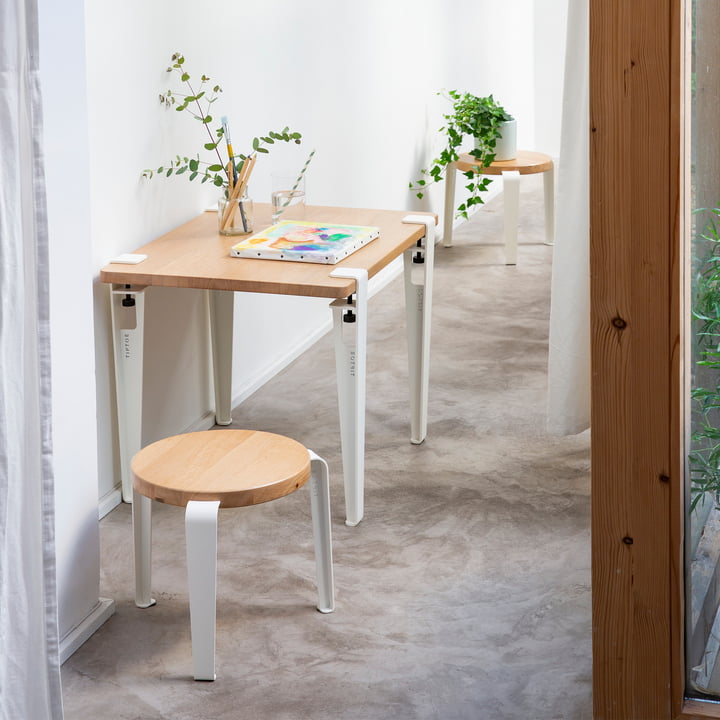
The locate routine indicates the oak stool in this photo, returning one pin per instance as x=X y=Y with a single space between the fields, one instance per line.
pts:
x=526 y=163
x=207 y=470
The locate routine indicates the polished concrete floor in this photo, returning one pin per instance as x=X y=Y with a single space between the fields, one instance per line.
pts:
x=465 y=592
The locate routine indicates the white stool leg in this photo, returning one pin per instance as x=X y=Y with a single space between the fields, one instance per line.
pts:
x=449 y=212
x=221 y=305
x=201 y=539
x=320 y=503
x=549 y=186
x=511 y=198
x=127 y=310
x=350 y=357
x=142 y=541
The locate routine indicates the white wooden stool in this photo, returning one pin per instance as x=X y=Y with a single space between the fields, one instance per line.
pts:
x=204 y=471
x=526 y=163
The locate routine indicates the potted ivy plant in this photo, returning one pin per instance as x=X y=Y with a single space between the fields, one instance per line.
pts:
x=230 y=173
x=488 y=123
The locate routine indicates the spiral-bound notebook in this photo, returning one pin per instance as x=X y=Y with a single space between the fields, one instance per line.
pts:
x=302 y=241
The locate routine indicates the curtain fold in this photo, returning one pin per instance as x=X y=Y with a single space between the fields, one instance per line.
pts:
x=568 y=409
x=29 y=657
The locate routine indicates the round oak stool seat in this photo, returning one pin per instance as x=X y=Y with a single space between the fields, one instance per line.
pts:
x=235 y=467
x=526 y=163
x=208 y=470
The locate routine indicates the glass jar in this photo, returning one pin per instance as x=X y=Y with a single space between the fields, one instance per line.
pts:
x=235 y=217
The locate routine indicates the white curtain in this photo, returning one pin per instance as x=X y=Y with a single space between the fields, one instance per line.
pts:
x=569 y=354
x=29 y=660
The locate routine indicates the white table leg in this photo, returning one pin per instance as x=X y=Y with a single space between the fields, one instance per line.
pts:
x=127 y=309
x=142 y=545
x=320 y=504
x=511 y=199
x=350 y=330
x=549 y=186
x=221 y=304
x=449 y=212
x=201 y=520
x=418 y=265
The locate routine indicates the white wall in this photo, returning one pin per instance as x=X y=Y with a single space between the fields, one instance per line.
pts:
x=357 y=79
x=62 y=65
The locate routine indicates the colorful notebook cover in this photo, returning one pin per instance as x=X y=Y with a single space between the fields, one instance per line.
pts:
x=302 y=241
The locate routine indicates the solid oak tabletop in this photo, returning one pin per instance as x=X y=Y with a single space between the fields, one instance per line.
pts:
x=195 y=255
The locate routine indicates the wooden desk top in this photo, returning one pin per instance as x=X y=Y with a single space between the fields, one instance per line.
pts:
x=526 y=163
x=195 y=255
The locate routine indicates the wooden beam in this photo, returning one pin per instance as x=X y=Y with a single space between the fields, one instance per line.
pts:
x=635 y=301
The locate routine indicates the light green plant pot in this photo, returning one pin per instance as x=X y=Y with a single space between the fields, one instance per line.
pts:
x=506 y=144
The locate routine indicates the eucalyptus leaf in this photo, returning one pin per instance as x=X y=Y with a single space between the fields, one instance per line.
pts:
x=197 y=101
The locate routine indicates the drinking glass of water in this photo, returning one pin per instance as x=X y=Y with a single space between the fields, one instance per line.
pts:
x=288 y=198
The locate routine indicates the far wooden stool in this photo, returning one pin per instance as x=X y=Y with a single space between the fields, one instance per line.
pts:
x=526 y=163
x=204 y=471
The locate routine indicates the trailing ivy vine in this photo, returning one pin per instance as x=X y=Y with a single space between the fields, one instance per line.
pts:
x=475 y=117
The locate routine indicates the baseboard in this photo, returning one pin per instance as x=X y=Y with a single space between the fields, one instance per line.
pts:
x=109 y=501
x=204 y=423
x=81 y=632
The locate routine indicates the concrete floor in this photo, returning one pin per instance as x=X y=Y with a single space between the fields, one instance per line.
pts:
x=465 y=592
